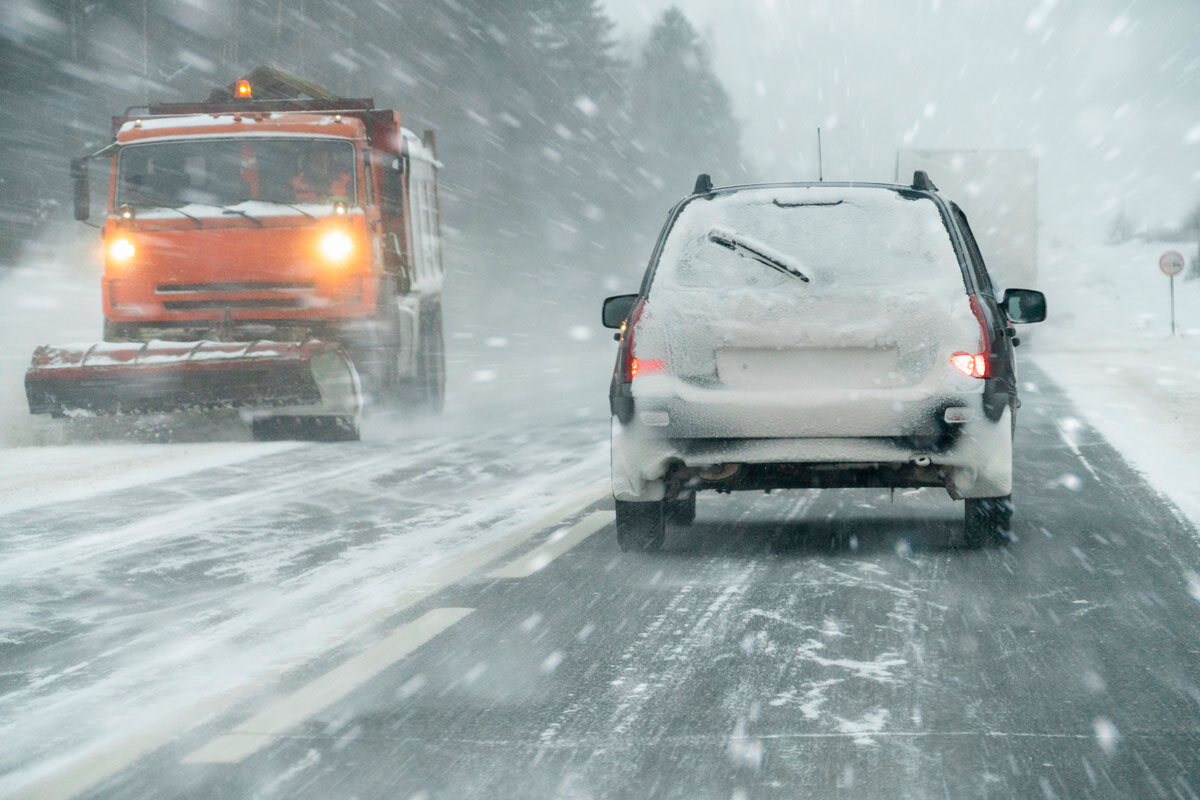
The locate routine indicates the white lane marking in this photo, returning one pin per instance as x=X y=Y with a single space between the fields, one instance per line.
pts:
x=1070 y=442
x=528 y=563
x=459 y=569
x=288 y=712
x=80 y=776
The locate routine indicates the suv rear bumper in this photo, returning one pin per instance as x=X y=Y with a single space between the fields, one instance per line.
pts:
x=648 y=465
x=686 y=411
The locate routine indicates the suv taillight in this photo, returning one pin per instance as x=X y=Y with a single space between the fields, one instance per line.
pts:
x=977 y=364
x=631 y=367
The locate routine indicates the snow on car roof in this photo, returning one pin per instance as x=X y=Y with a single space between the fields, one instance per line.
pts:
x=878 y=263
x=855 y=235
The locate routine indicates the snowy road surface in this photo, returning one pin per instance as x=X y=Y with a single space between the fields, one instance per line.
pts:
x=448 y=616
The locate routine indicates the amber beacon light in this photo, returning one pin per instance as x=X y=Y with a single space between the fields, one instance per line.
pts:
x=243 y=90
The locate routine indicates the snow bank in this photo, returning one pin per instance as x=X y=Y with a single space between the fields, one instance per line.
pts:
x=1107 y=343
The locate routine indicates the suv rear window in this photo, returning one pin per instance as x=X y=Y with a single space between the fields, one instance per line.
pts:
x=844 y=240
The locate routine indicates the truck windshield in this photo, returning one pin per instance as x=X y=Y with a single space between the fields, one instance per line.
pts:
x=221 y=172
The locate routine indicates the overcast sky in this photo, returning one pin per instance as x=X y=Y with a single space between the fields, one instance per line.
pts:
x=1107 y=92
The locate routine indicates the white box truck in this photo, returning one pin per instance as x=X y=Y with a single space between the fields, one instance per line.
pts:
x=998 y=191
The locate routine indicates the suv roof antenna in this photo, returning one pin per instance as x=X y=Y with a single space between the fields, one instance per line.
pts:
x=921 y=181
x=820 y=165
x=704 y=184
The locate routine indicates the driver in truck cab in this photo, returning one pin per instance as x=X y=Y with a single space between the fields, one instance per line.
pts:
x=317 y=182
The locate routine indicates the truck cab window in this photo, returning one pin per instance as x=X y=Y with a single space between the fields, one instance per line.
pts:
x=393 y=189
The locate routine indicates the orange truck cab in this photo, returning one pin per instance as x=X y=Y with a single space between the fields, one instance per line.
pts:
x=277 y=219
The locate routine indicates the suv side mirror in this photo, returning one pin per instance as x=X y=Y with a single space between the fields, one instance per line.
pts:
x=83 y=197
x=616 y=310
x=1024 y=305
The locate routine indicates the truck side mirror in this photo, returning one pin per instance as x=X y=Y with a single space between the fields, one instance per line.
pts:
x=1024 y=305
x=83 y=196
x=616 y=310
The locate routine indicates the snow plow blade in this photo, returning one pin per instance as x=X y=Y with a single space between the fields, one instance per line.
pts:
x=158 y=377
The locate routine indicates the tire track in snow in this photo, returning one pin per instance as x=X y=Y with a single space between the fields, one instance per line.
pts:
x=85 y=550
x=37 y=477
x=668 y=650
x=169 y=661
x=846 y=682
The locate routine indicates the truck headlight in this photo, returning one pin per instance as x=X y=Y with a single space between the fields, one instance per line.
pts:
x=121 y=250
x=336 y=245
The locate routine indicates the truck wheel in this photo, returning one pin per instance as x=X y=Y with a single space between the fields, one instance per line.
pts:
x=987 y=520
x=429 y=386
x=640 y=526
x=682 y=510
x=304 y=429
x=376 y=350
x=117 y=331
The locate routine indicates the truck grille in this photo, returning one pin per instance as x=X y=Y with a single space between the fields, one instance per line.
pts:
x=260 y=302
x=235 y=286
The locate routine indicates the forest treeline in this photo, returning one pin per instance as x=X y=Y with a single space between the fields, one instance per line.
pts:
x=563 y=149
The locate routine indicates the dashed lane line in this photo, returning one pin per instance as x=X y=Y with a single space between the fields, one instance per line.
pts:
x=288 y=712
x=460 y=568
x=528 y=563
x=1070 y=442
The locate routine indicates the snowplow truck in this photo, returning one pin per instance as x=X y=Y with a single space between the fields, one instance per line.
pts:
x=274 y=249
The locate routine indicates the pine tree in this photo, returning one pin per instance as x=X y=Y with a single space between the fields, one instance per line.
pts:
x=1121 y=228
x=579 y=103
x=682 y=116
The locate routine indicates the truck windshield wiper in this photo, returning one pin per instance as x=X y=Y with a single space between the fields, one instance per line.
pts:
x=228 y=210
x=748 y=248
x=285 y=205
x=293 y=207
x=177 y=210
x=239 y=212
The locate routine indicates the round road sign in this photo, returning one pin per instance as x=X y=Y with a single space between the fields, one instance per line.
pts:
x=1171 y=263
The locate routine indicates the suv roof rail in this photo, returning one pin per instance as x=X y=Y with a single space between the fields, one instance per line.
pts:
x=921 y=181
x=704 y=184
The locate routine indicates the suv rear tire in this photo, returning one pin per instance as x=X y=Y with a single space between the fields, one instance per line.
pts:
x=641 y=527
x=986 y=520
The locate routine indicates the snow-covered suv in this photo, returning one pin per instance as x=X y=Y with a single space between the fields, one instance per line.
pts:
x=828 y=335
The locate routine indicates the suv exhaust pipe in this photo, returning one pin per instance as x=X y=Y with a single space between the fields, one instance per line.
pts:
x=719 y=472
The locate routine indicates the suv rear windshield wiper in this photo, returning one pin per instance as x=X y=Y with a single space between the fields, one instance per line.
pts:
x=807 y=205
x=748 y=248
